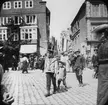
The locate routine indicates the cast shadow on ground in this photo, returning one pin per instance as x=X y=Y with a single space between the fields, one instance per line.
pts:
x=62 y=89
x=85 y=84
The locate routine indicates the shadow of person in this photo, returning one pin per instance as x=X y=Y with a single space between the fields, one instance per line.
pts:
x=63 y=89
x=85 y=84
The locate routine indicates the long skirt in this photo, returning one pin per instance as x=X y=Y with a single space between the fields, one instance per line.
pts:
x=102 y=94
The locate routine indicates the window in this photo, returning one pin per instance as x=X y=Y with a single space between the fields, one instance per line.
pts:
x=28 y=33
x=99 y=10
x=17 y=20
x=15 y=37
x=30 y=36
x=5 y=20
x=29 y=4
x=31 y=19
x=7 y=5
x=0 y=36
x=17 y=4
x=23 y=36
x=3 y=34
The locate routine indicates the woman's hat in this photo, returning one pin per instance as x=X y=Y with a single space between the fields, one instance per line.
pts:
x=63 y=63
x=77 y=51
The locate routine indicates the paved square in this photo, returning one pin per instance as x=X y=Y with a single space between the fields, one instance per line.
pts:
x=29 y=89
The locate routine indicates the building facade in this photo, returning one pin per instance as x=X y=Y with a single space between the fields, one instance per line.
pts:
x=32 y=17
x=65 y=41
x=91 y=14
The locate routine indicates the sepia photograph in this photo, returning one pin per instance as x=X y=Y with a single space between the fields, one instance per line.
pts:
x=53 y=52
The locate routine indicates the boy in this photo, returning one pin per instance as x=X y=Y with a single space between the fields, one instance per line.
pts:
x=61 y=74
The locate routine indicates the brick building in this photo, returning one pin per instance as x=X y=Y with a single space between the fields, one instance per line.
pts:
x=32 y=17
x=91 y=14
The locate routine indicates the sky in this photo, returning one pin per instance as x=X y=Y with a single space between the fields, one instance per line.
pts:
x=62 y=14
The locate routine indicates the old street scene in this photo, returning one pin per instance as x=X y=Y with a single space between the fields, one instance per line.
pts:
x=53 y=52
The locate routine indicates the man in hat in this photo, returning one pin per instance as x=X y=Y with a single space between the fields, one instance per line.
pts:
x=78 y=67
x=102 y=96
x=50 y=70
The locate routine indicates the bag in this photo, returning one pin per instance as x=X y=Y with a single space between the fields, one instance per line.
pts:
x=80 y=72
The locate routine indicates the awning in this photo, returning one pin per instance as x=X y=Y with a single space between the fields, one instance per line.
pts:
x=27 y=49
x=100 y=27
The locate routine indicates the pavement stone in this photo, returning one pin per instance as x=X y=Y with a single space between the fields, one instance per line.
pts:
x=29 y=89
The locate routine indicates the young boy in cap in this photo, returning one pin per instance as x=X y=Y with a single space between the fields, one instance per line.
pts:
x=78 y=67
x=61 y=74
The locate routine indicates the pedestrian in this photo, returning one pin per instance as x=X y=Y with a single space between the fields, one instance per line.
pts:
x=14 y=63
x=31 y=60
x=35 y=61
x=95 y=63
x=61 y=75
x=5 y=96
x=6 y=62
x=102 y=93
x=24 y=64
x=72 y=60
x=50 y=71
x=78 y=67
x=42 y=63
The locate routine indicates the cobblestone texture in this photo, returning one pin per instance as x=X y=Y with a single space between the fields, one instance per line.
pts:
x=29 y=89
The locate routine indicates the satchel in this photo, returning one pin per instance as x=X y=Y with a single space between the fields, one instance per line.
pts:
x=80 y=71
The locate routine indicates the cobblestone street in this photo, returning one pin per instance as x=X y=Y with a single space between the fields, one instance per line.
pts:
x=29 y=89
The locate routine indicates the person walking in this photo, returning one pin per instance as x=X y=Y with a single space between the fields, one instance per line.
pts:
x=24 y=62
x=14 y=63
x=50 y=70
x=78 y=67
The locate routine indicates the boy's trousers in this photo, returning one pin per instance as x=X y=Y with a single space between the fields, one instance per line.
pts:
x=49 y=77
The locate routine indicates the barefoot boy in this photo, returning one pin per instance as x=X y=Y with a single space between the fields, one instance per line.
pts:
x=61 y=74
